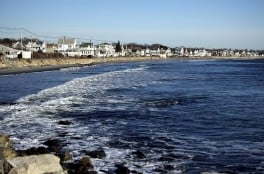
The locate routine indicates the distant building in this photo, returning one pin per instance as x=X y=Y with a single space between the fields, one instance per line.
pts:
x=105 y=50
x=12 y=53
x=51 y=48
x=168 y=52
x=66 y=43
x=8 y=52
x=155 y=52
x=36 y=46
x=87 y=49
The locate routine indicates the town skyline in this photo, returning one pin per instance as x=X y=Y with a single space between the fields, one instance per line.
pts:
x=218 y=24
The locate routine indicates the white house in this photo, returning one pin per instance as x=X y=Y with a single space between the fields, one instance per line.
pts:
x=26 y=54
x=105 y=50
x=147 y=52
x=36 y=46
x=11 y=53
x=182 y=51
x=51 y=48
x=168 y=52
x=87 y=50
x=72 y=52
x=155 y=52
x=66 y=43
x=8 y=52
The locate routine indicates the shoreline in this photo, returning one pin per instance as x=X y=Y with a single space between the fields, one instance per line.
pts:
x=19 y=66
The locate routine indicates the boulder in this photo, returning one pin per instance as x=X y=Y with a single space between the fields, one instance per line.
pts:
x=86 y=163
x=84 y=166
x=65 y=122
x=54 y=145
x=4 y=140
x=6 y=150
x=36 y=164
x=122 y=169
x=138 y=154
x=99 y=153
x=33 y=151
x=65 y=155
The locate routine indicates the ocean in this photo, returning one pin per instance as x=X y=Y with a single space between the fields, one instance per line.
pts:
x=170 y=116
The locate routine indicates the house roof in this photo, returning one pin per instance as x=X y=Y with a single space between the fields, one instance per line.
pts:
x=67 y=41
x=86 y=44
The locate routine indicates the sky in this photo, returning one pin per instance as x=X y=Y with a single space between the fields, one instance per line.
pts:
x=190 y=23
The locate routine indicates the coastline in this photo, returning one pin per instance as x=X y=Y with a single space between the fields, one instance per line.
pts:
x=19 y=66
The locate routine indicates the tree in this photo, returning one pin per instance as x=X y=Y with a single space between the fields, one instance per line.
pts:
x=118 y=48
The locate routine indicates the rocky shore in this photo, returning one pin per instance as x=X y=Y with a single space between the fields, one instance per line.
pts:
x=50 y=158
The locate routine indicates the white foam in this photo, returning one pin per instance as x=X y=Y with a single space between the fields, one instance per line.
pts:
x=70 y=69
x=34 y=118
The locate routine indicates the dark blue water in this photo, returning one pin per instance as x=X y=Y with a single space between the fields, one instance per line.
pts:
x=184 y=116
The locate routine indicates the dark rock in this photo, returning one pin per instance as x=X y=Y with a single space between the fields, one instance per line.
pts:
x=72 y=168
x=65 y=122
x=76 y=138
x=121 y=169
x=65 y=156
x=42 y=150
x=135 y=172
x=139 y=154
x=99 y=153
x=84 y=166
x=92 y=172
x=33 y=151
x=104 y=171
x=8 y=103
x=168 y=167
x=6 y=167
x=86 y=163
x=53 y=145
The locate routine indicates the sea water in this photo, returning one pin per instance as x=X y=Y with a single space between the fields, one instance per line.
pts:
x=185 y=116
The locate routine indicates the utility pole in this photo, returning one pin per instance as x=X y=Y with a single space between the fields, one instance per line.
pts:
x=21 y=41
x=30 y=42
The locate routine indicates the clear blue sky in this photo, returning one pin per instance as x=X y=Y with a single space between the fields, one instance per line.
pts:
x=205 y=23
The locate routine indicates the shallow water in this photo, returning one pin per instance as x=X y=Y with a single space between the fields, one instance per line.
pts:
x=185 y=116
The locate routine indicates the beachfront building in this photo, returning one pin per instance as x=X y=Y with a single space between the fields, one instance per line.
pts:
x=155 y=52
x=17 y=45
x=25 y=54
x=72 y=52
x=8 y=52
x=168 y=52
x=121 y=53
x=147 y=52
x=51 y=48
x=176 y=51
x=105 y=50
x=87 y=49
x=12 y=53
x=65 y=44
x=182 y=52
x=225 y=53
x=36 y=46
x=202 y=53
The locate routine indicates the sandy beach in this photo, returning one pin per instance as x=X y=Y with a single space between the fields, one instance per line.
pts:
x=18 y=66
